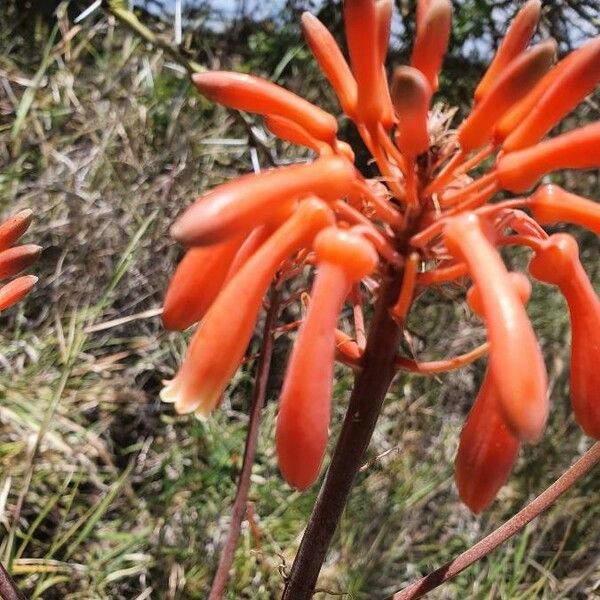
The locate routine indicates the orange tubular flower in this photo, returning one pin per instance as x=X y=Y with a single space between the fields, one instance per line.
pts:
x=246 y=92
x=488 y=449
x=243 y=204
x=578 y=149
x=362 y=33
x=567 y=89
x=556 y=261
x=515 y=41
x=16 y=290
x=343 y=258
x=552 y=204
x=514 y=83
x=429 y=218
x=515 y=359
x=332 y=62
x=15 y=259
x=12 y=229
x=290 y=131
x=221 y=339
x=196 y=283
x=432 y=39
x=411 y=97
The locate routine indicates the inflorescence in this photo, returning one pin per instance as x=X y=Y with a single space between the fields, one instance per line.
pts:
x=427 y=220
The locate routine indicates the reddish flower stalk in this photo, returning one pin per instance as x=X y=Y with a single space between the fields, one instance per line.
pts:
x=423 y=223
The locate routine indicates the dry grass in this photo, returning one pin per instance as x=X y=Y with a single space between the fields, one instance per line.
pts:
x=104 y=492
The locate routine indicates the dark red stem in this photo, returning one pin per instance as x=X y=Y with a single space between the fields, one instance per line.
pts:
x=258 y=401
x=505 y=531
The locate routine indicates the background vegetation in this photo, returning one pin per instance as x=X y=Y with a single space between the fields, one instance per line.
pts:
x=104 y=491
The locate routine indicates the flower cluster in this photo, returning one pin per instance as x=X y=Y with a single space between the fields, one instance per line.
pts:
x=14 y=259
x=426 y=221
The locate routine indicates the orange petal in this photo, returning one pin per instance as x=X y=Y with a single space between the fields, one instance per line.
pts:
x=362 y=36
x=552 y=204
x=384 y=9
x=196 y=283
x=516 y=361
x=12 y=229
x=411 y=97
x=218 y=345
x=512 y=85
x=518 y=113
x=343 y=257
x=487 y=450
x=557 y=262
x=240 y=205
x=17 y=289
x=432 y=39
x=515 y=41
x=17 y=259
x=578 y=149
x=247 y=92
x=251 y=244
x=421 y=11
x=290 y=131
x=305 y=402
x=567 y=89
x=331 y=61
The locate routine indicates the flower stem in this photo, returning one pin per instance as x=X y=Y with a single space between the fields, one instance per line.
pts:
x=367 y=397
x=505 y=531
x=239 y=505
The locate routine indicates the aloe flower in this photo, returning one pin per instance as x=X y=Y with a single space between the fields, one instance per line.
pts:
x=428 y=220
x=14 y=259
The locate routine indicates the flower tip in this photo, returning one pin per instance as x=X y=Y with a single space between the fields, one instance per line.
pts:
x=182 y=231
x=207 y=83
x=24 y=215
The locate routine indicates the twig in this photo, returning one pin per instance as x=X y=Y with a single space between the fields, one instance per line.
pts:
x=129 y=19
x=258 y=401
x=504 y=532
x=8 y=588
